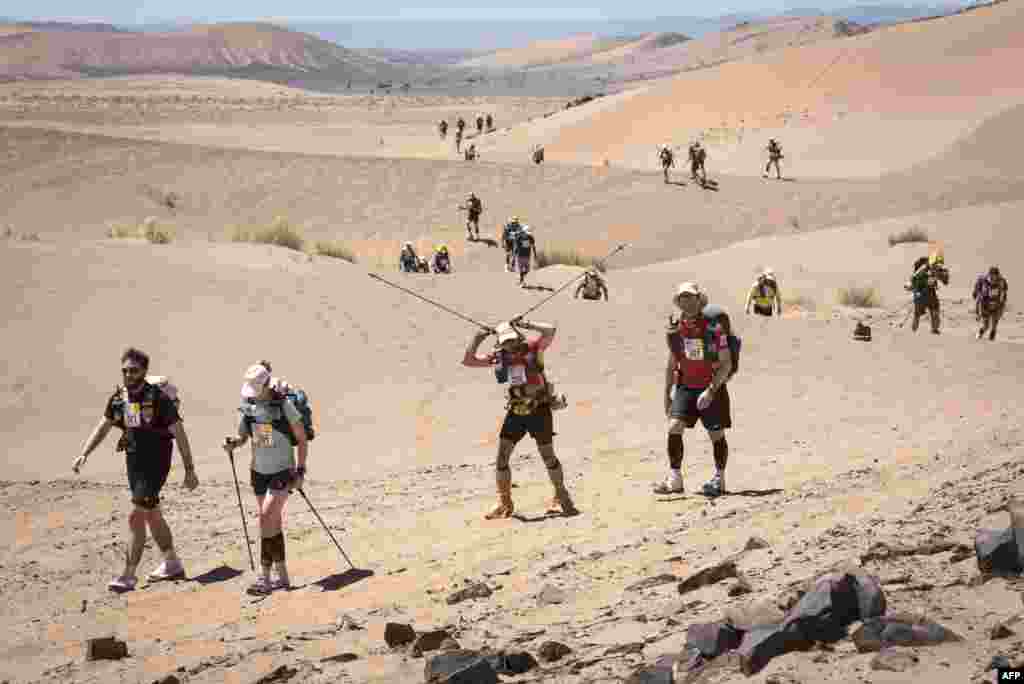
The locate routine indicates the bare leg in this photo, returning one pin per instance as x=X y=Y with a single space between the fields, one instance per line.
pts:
x=161 y=532
x=137 y=528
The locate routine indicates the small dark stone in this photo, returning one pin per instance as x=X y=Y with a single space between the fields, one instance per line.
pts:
x=900 y=629
x=740 y=587
x=550 y=594
x=550 y=651
x=999 y=662
x=166 y=679
x=429 y=641
x=651 y=674
x=398 y=634
x=280 y=674
x=511 y=663
x=340 y=658
x=105 y=648
x=1001 y=631
x=755 y=543
x=473 y=591
x=635 y=647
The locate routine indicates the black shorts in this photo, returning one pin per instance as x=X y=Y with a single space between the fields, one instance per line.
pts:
x=763 y=310
x=277 y=481
x=717 y=416
x=540 y=425
x=147 y=473
x=923 y=301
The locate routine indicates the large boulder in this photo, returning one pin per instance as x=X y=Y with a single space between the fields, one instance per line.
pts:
x=398 y=634
x=997 y=552
x=823 y=613
x=511 y=662
x=459 y=667
x=764 y=642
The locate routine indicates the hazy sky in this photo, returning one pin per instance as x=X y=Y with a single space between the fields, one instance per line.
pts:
x=142 y=11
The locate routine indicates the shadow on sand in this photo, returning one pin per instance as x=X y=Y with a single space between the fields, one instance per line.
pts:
x=343 y=579
x=223 y=573
x=490 y=242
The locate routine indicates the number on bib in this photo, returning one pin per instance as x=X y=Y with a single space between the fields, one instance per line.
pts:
x=132 y=414
x=517 y=375
x=263 y=435
x=694 y=349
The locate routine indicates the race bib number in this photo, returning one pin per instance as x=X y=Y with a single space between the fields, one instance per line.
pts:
x=693 y=349
x=263 y=435
x=517 y=375
x=132 y=414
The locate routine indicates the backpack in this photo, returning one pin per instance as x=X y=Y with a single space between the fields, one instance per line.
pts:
x=717 y=315
x=524 y=241
x=299 y=399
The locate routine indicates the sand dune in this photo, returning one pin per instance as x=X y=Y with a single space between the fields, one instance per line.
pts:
x=883 y=73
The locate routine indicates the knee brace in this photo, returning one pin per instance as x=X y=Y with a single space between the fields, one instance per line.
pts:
x=547 y=453
x=721 y=451
x=675 y=450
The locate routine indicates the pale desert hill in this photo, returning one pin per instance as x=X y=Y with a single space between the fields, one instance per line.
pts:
x=241 y=48
x=886 y=75
x=546 y=52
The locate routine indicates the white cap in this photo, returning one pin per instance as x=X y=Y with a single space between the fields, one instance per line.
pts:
x=256 y=378
x=506 y=332
x=688 y=288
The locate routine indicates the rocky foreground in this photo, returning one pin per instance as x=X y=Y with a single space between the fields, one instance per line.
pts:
x=922 y=592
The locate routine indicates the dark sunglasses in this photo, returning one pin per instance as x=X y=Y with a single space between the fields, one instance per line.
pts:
x=132 y=370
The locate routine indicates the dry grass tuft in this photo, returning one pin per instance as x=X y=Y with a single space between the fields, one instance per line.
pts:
x=280 y=232
x=862 y=297
x=334 y=250
x=915 y=234
x=567 y=257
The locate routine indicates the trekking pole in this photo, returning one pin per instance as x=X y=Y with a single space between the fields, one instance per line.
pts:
x=550 y=296
x=245 y=529
x=329 y=534
x=431 y=301
x=910 y=310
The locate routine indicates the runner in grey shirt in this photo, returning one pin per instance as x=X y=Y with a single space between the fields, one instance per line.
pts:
x=274 y=471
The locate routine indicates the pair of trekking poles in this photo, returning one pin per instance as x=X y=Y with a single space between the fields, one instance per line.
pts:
x=245 y=527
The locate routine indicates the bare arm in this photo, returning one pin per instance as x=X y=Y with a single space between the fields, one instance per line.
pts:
x=750 y=298
x=470 y=359
x=722 y=370
x=299 y=431
x=99 y=433
x=670 y=375
x=578 y=289
x=604 y=288
x=178 y=430
x=778 y=302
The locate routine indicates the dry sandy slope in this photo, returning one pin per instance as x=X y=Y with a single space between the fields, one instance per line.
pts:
x=887 y=72
x=855 y=435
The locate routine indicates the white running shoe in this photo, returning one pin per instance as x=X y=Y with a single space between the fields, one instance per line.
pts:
x=122 y=584
x=168 y=570
x=673 y=484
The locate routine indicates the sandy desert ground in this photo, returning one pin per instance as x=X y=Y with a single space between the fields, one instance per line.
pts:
x=837 y=445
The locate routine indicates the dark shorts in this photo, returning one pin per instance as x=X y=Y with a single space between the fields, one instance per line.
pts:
x=592 y=297
x=923 y=301
x=277 y=481
x=763 y=310
x=540 y=425
x=717 y=416
x=147 y=474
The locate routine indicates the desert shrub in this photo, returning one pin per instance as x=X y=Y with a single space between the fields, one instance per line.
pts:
x=915 y=234
x=567 y=257
x=153 y=233
x=121 y=230
x=280 y=232
x=802 y=302
x=334 y=250
x=860 y=296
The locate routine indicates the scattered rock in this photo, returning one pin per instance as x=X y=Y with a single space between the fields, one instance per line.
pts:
x=900 y=629
x=709 y=575
x=340 y=658
x=764 y=642
x=429 y=641
x=885 y=551
x=708 y=640
x=740 y=587
x=782 y=678
x=635 y=647
x=894 y=660
x=999 y=662
x=755 y=543
x=450 y=645
x=473 y=591
x=105 y=648
x=167 y=679
x=398 y=634
x=824 y=613
x=1001 y=631
x=550 y=594
x=550 y=651
x=652 y=582
x=280 y=674
x=459 y=667
x=997 y=551
x=511 y=663
x=651 y=674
